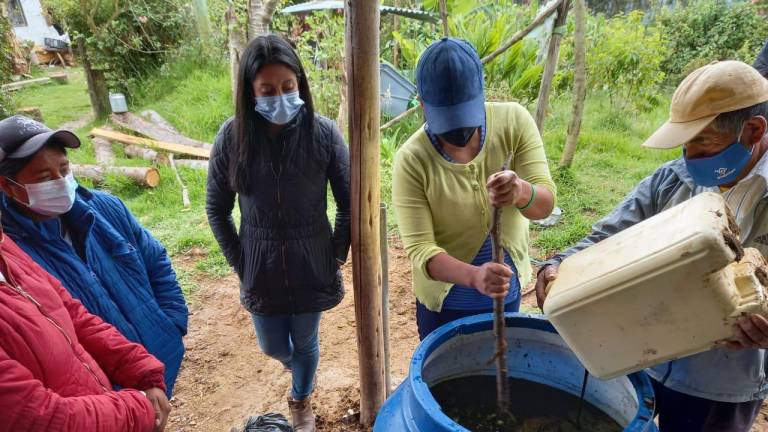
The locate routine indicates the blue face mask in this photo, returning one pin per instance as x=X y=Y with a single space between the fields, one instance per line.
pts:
x=720 y=169
x=279 y=109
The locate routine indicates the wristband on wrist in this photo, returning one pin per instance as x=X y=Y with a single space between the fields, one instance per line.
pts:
x=530 y=202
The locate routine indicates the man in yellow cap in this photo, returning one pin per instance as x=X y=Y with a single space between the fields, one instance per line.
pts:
x=718 y=115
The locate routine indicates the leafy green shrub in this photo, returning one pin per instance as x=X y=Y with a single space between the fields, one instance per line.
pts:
x=514 y=74
x=128 y=39
x=321 y=50
x=623 y=59
x=710 y=30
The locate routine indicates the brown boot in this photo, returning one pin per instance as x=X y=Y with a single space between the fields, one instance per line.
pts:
x=302 y=417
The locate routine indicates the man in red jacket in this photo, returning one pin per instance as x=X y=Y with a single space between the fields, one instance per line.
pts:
x=59 y=363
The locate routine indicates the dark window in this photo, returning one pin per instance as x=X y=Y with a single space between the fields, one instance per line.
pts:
x=16 y=13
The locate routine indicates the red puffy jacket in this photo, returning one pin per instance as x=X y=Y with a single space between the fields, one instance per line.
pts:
x=58 y=363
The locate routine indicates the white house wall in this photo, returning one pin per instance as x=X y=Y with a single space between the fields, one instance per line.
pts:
x=36 y=29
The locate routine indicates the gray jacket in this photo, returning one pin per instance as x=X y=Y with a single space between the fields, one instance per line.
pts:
x=719 y=374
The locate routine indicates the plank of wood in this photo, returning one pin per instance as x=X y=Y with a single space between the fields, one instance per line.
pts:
x=141 y=126
x=103 y=149
x=192 y=163
x=26 y=83
x=155 y=144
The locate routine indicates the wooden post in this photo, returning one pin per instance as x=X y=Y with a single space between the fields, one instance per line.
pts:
x=549 y=69
x=579 y=83
x=444 y=18
x=362 y=53
x=97 y=84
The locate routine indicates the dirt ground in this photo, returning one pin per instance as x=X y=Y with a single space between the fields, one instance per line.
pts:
x=225 y=378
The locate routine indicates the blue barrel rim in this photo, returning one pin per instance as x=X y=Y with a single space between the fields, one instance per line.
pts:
x=484 y=322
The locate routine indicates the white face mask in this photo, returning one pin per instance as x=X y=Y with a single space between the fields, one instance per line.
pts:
x=279 y=110
x=51 y=198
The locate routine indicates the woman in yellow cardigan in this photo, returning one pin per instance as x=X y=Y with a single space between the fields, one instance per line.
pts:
x=446 y=180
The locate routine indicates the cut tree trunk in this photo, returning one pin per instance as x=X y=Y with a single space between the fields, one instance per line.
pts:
x=26 y=83
x=138 y=152
x=551 y=66
x=260 y=16
x=97 y=85
x=104 y=154
x=148 y=129
x=236 y=43
x=579 y=84
x=143 y=176
x=192 y=163
x=157 y=119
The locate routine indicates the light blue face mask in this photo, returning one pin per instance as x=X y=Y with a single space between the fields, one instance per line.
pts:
x=279 y=109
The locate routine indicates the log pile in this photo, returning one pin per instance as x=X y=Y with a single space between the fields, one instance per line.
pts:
x=149 y=137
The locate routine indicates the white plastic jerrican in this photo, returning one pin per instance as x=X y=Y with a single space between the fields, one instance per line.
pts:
x=668 y=287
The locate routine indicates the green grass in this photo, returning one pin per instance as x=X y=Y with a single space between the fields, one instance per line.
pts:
x=609 y=162
x=59 y=103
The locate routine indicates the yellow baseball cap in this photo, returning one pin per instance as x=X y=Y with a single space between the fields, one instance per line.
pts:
x=716 y=88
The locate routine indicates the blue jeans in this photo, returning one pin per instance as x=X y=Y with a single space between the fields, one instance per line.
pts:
x=293 y=340
x=427 y=320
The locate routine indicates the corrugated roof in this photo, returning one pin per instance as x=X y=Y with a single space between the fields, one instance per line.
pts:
x=338 y=5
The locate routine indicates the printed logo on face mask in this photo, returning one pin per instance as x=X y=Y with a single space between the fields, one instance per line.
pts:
x=723 y=172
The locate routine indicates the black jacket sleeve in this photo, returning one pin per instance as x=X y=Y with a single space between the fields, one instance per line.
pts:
x=761 y=63
x=338 y=174
x=220 y=199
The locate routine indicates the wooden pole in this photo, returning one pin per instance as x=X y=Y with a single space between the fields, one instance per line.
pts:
x=579 y=83
x=444 y=18
x=551 y=66
x=385 y=295
x=362 y=54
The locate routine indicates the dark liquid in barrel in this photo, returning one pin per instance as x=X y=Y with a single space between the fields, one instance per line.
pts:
x=471 y=402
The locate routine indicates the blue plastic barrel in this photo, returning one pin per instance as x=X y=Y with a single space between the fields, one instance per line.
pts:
x=536 y=353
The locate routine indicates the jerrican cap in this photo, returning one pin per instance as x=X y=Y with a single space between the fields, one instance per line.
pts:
x=716 y=88
x=449 y=78
x=21 y=137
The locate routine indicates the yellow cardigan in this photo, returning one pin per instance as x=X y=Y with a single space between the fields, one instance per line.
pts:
x=444 y=207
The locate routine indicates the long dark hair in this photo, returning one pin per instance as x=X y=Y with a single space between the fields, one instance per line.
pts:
x=249 y=129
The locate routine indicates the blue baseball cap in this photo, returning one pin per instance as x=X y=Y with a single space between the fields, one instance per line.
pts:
x=449 y=78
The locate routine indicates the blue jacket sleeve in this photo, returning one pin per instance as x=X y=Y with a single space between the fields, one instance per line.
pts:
x=162 y=277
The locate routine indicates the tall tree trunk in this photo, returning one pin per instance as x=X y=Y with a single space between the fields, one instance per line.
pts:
x=579 y=84
x=260 y=16
x=236 y=47
x=97 y=84
x=551 y=66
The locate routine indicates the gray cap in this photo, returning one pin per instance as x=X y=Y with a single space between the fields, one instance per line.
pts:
x=21 y=137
